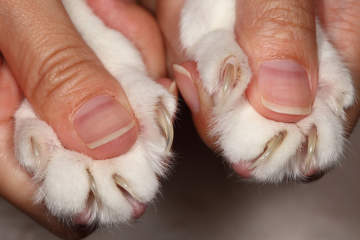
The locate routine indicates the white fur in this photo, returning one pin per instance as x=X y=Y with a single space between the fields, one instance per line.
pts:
x=207 y=34
x=62 y=174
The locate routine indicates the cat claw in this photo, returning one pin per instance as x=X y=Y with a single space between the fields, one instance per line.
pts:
x=93 y=188
x=165 y=123
x=122 y=183
x=230 y=74
x=311 y=147
x=270 y=148
x=35 y=147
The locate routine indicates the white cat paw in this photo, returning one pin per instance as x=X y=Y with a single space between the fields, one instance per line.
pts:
x=273 y=151
x=112 y=190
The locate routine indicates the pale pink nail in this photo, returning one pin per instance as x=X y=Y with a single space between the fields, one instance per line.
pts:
x=101 y=120
x=285 y=87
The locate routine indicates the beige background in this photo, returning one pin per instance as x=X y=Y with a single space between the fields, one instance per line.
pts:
x=203 y=200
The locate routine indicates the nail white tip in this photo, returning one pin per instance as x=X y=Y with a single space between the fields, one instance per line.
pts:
x=286 y=109
x=172 y=88
x=180 y=69
x=111 y=136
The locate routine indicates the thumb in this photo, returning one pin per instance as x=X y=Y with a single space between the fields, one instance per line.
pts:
x=64 y=81
x=280 y=39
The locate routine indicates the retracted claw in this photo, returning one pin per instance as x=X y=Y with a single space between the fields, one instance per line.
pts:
x=35 y=147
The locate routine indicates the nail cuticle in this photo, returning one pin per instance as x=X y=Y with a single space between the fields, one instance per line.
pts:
x=180 y=69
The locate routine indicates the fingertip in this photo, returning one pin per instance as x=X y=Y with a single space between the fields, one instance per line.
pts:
x=197 y=99
x=184 y=77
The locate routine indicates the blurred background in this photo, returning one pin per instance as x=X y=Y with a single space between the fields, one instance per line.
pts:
x=204 y=200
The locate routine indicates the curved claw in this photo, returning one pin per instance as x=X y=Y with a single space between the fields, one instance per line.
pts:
x=229 y=75
x=270 y=148
x=94 y=199
x=165 y=124
x=312 y=140
x=120 y=182
x=93 y=186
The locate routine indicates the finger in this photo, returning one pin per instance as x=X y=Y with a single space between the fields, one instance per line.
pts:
x=341 y=21
x=168 y=15
x=64 y=81
x=280 y=39
x=139 y=27
x=128 y=18
x=196 y=98
x=15 y=184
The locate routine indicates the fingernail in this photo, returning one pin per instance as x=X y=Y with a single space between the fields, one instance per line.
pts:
x=285 y=87
x=187 y=87
x=101 y=120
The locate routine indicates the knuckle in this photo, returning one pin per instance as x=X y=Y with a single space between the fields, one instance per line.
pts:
x=59 y=72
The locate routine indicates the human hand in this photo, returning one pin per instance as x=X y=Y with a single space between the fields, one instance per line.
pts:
x=58 y=73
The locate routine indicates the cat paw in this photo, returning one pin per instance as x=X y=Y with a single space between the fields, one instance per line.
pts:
x=272 y=151
x=73 y=185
